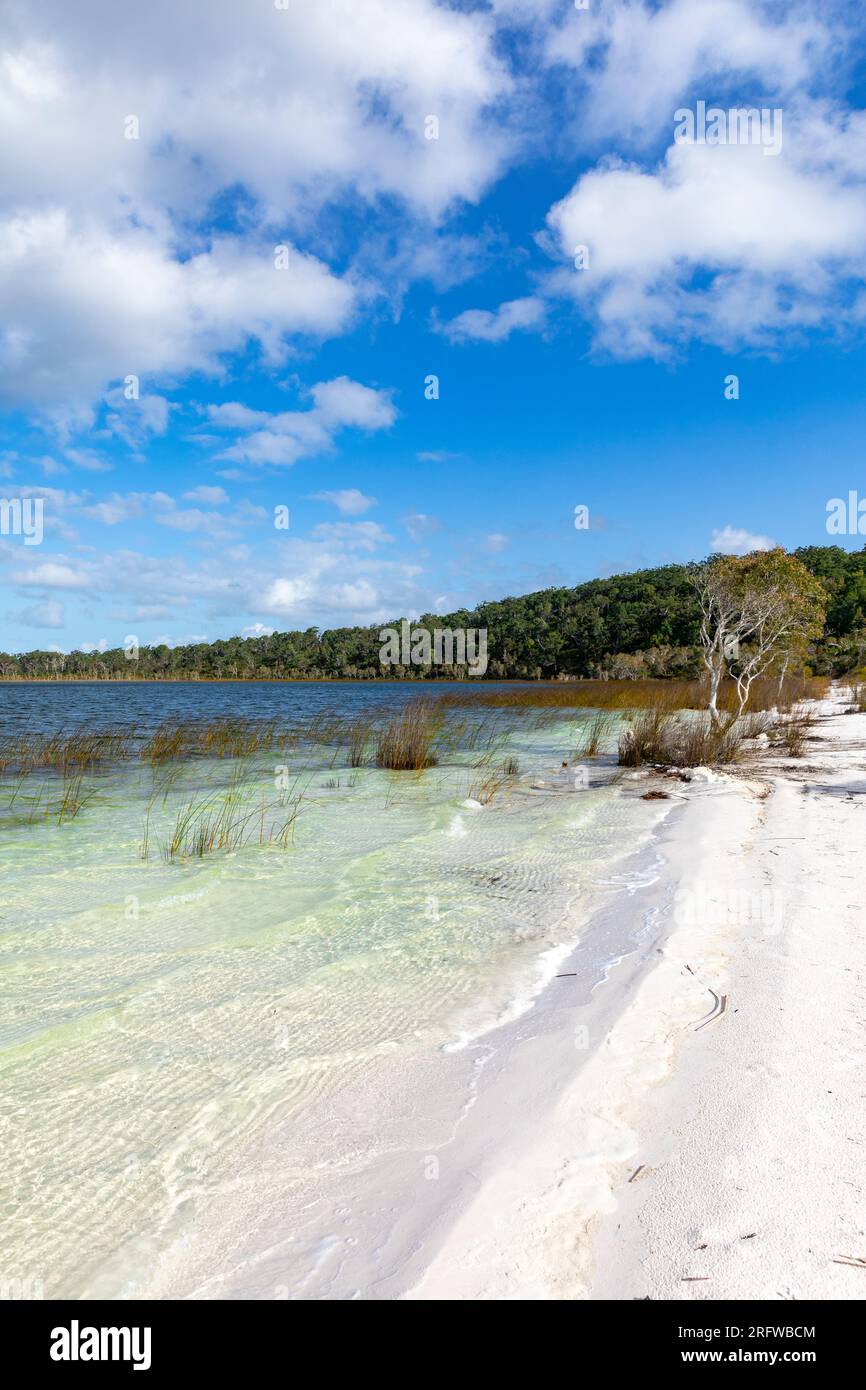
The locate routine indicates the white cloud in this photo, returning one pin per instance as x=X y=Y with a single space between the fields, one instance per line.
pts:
x=495 y=542
x=349 y=501
x=84 y=305
x=100 y=271
x=734 y=540
x=294 y=434
x=343 y=402
x=420 y=525
x=135 y=420
x=363 y=535
x=287 y=596
x=211 y=496
x=337 y=574
x=297 y=104
x=51 y=613
x=497 y=325
x=733 y=248
x=52 y=574
x=647 y=56
x=234 y=416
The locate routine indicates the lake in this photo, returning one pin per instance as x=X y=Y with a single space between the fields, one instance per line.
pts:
x=201 y=1052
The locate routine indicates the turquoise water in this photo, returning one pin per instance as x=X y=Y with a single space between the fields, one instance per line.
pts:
x=156 y=1018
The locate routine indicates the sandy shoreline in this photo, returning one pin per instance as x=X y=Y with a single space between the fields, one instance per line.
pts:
x=693 y=1159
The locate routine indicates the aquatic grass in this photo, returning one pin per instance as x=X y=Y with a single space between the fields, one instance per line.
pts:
x=642 y=742
x=227 y=822
x=359 y=735
x=74 y=797
x=484 y=789
x=215 y=738
x=82 y=750
x=405 y=744
x=594 y=734
x=767 y=693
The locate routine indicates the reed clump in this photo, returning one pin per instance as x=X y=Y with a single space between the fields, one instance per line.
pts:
x=658 y=737
x=405 y=744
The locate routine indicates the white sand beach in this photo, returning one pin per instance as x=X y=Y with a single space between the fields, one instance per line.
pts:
x=711 y=1144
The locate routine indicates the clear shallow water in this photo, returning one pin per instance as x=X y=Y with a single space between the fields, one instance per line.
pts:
x=158 y=1020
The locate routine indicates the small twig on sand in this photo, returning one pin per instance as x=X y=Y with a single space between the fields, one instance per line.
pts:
x=721 y=1003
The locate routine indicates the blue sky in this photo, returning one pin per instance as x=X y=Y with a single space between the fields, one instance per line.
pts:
x=302 y=384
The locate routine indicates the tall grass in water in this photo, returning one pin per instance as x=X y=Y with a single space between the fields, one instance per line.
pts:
x=485 y=788
x=228 y=822
x=359 y=735
x=594 y=734
x=215 y=738
x=405 y=744
x=64 y=753
x=75 y=796
x=765 y=694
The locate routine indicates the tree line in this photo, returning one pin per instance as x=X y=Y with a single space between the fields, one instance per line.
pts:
x=647 y=623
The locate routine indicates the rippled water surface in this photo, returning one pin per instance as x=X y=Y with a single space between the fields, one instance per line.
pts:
x=157 y=1017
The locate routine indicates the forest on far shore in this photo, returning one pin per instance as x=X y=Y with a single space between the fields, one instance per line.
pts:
x=643 y=624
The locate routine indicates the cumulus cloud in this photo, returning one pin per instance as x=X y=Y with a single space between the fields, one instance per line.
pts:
x=52 y=574
x=102 y=268
x=85 y=305
x=293 y=434
x=646 y=56
x=297 y=104
x=494 y=326
x=349 y=501
x=719 y=243
x=734 y=540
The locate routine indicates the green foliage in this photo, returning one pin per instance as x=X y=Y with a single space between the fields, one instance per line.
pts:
x=644 y=625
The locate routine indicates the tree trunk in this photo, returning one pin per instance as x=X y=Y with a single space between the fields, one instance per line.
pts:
x=713 y=703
